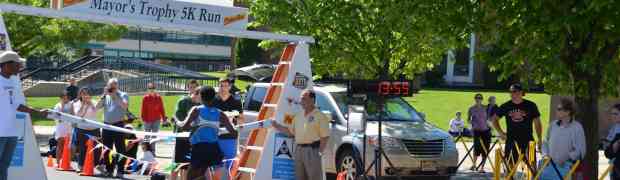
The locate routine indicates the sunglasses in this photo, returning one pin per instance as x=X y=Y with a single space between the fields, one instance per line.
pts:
x=561 y=109
x=478 y=97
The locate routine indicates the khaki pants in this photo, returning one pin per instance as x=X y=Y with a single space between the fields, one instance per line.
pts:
x=308 y=163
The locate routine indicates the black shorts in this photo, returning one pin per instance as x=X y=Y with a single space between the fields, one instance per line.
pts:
x=206 y=155
x=482 y=138
x=182 y=150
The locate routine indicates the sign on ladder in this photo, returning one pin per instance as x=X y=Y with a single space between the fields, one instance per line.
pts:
x=275 y=159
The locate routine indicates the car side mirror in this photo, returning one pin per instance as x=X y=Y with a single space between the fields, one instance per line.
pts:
x=356 y=118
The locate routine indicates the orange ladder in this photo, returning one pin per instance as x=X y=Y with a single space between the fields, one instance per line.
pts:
x=250 y=157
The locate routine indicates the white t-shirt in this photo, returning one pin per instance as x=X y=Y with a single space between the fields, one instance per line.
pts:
x=456 y=125
x=63 y=128
x=89 y=112
x=11 y=97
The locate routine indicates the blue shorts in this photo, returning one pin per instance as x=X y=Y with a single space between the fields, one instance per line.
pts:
x=228 y=148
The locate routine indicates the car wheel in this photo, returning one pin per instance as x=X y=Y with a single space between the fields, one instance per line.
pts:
x=351 y=163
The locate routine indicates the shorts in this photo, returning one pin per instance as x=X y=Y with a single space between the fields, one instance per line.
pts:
x=204 y=155
x=485 y=137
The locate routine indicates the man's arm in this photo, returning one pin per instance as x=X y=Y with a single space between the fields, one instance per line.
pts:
x=26 y=109
x=538 y=128
x=283 y=129
x=124 y=100
x=469 y=115
x=227 y=124
x=143 y=109
x=497 y=127
x=162 y=111
x=186 y=124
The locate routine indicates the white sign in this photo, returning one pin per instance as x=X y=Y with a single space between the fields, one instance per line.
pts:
x=165 y=11
x=26 y=162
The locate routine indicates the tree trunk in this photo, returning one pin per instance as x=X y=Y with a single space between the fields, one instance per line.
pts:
x=588 y=115
x=233 y=56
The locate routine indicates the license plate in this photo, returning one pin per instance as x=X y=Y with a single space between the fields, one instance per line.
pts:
x=428 y=165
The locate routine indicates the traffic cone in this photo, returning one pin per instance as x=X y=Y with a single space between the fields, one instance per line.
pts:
x=50 y=161
x=65 y=161
x=342 y=175
x=89 y=162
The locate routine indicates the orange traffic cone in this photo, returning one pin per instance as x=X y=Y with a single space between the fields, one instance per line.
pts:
x=89 y=162
x=342 y=175
x=50 y=161
x=65 y=161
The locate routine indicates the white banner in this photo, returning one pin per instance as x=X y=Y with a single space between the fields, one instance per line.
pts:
x=163 y=11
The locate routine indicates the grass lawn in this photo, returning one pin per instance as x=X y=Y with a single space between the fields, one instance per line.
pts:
x=440 y=106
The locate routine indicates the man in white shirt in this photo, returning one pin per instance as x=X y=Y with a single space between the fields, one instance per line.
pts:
x=11 y=101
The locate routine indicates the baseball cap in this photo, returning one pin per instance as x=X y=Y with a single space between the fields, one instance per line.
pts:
x=8 y=56
x=516 y=87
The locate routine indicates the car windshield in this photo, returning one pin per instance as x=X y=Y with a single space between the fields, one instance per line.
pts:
x=396 y=108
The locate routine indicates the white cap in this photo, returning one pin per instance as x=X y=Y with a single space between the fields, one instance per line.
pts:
x=8 y=56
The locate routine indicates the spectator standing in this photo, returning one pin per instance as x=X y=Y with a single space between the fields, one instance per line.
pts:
x=184 y=105
x=228 y=142
x=84 y=107
x=72 y=89
x=311 y=132
x=234 y=90
x=205 y=151
x=11 y=100
x=114 y=104
x=520 y=114
x=153 y=112
x=477 y=117
x=63 y=130
x=565 y=141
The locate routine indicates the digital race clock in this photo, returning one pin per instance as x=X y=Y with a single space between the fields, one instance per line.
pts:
x=381 y=88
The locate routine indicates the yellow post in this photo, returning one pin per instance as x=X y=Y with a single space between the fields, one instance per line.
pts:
x=530 y=159
x=497 y=171
x=545 y=163
x=572 y=170
x=604 y=175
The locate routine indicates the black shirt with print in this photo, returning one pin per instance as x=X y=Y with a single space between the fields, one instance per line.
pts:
x=230 y=104
x=519 y=119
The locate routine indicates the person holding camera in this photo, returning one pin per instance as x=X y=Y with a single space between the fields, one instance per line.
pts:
x=114 y=104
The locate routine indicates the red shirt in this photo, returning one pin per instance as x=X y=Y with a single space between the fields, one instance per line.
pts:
x=152 y=108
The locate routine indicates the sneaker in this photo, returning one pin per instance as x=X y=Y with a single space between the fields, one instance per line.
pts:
x=101 y=169
x=120 y=175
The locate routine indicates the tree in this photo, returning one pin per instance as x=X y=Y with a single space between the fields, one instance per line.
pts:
x=247 y=52
x=367 y=38
x=33 y=35
x=571 y=47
